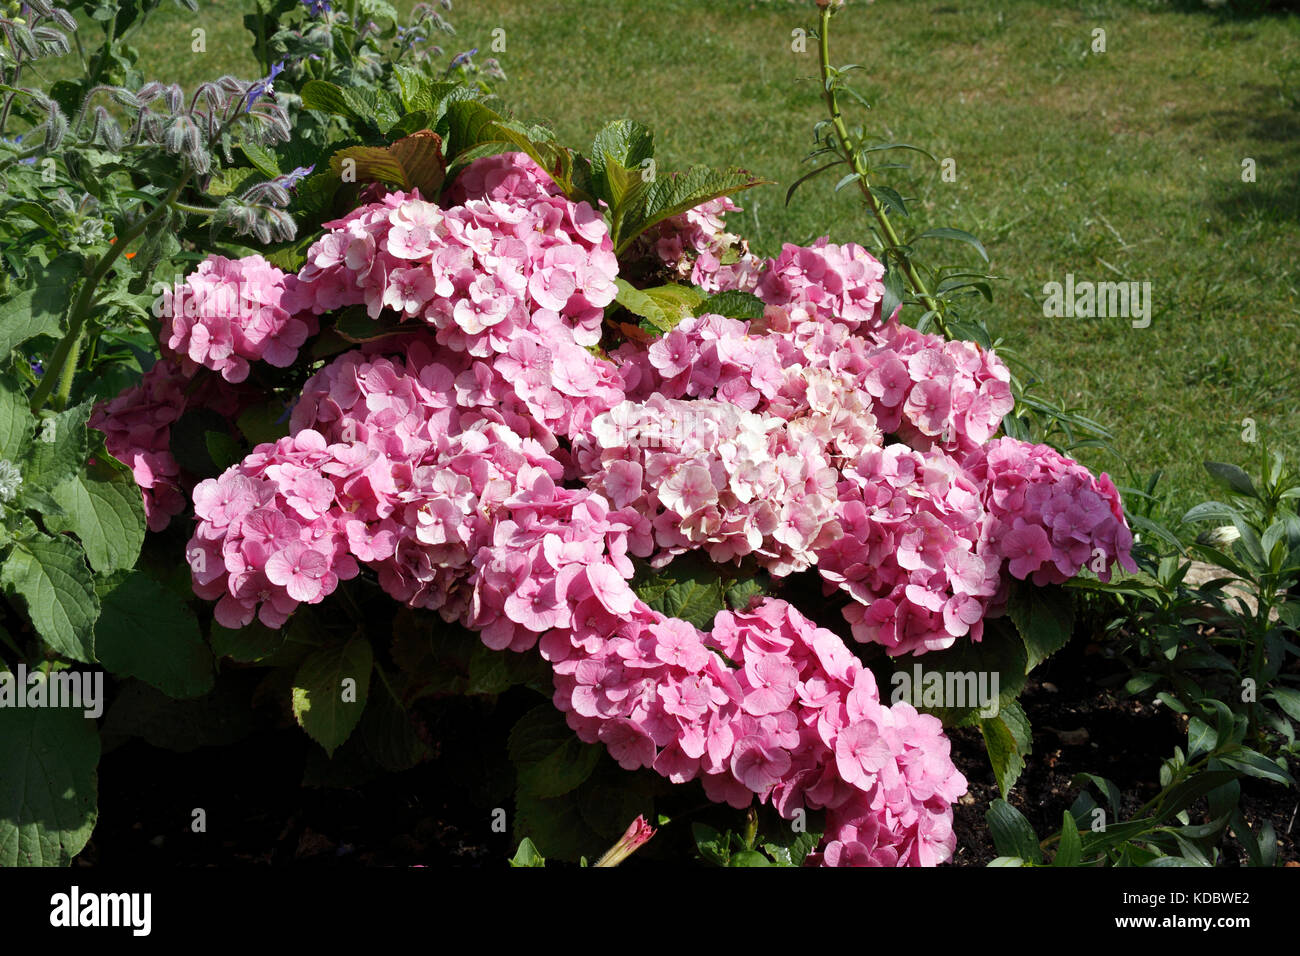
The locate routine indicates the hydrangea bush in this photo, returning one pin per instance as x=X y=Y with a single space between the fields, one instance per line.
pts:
x=706 y=502
x=486 y=459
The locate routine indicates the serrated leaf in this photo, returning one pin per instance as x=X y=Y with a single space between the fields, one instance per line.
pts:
x=17 y=424
x=549 y=758
x=1044 y=616
x=37 y=307
x=325 y=706
x=1008 y=740
x=48 y=799
x=413 y=162
x=59 y=448
x=733 y=304
x=662 y=306
x=263 y=159
x=670 y=196
x=1000 y=653
x=693 y=591
x=103 y=508
x=326 y=97
x=51 y=577
x=146 y=631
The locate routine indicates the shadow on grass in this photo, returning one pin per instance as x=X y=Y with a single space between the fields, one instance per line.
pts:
x=1268 y=132
x=1237 y=9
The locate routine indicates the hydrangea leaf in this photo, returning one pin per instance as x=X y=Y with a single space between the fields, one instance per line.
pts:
x=1044 y=616
x=48 y=800
x=1008 y=740
x=549 y=759
x=146 y=631
x=330 y=689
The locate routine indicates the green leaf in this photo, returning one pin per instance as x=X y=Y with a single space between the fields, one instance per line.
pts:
x=326 y=97
x=1232 y=477
x=1070 y=850
x=527 y=855
x=687 y=589
x=740 y=593
x=791 y=849
x=1255 y=764
x=37 y=308
x=617 y=173
x=102 y=506
x=733 y=304
x=1104 y=786
x=263 y=159
x=960 y=235
x=748 y=858
x=1288 y=699
x=147 y=631
x=1008 y=740
x=663 y=306
x=1211 y=511
x=330 y=689
x=1044 y=616
x=51 y=577
x=252 y=642
x=713 y=846
x=17 y=425
x=1011 y=832
x=48 y=786
x=673 y=195
x=549 y=759
x=1000 y=653
x=59 y=448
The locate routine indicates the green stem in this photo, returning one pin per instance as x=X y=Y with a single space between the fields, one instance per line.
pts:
x=197 y=210
x=69 y=372
x=849 y=148
x=86 y=300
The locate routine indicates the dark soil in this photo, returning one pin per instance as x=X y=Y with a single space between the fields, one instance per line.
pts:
x=1082 y=724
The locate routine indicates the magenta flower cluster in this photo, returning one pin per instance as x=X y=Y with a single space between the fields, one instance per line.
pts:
x=487 y=463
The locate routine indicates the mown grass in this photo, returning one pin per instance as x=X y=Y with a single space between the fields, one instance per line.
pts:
x=1120 y=165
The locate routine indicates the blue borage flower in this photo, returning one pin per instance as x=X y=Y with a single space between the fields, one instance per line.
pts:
x=263 y=87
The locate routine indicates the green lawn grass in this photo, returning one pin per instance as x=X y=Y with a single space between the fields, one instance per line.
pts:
x=1121 y=165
